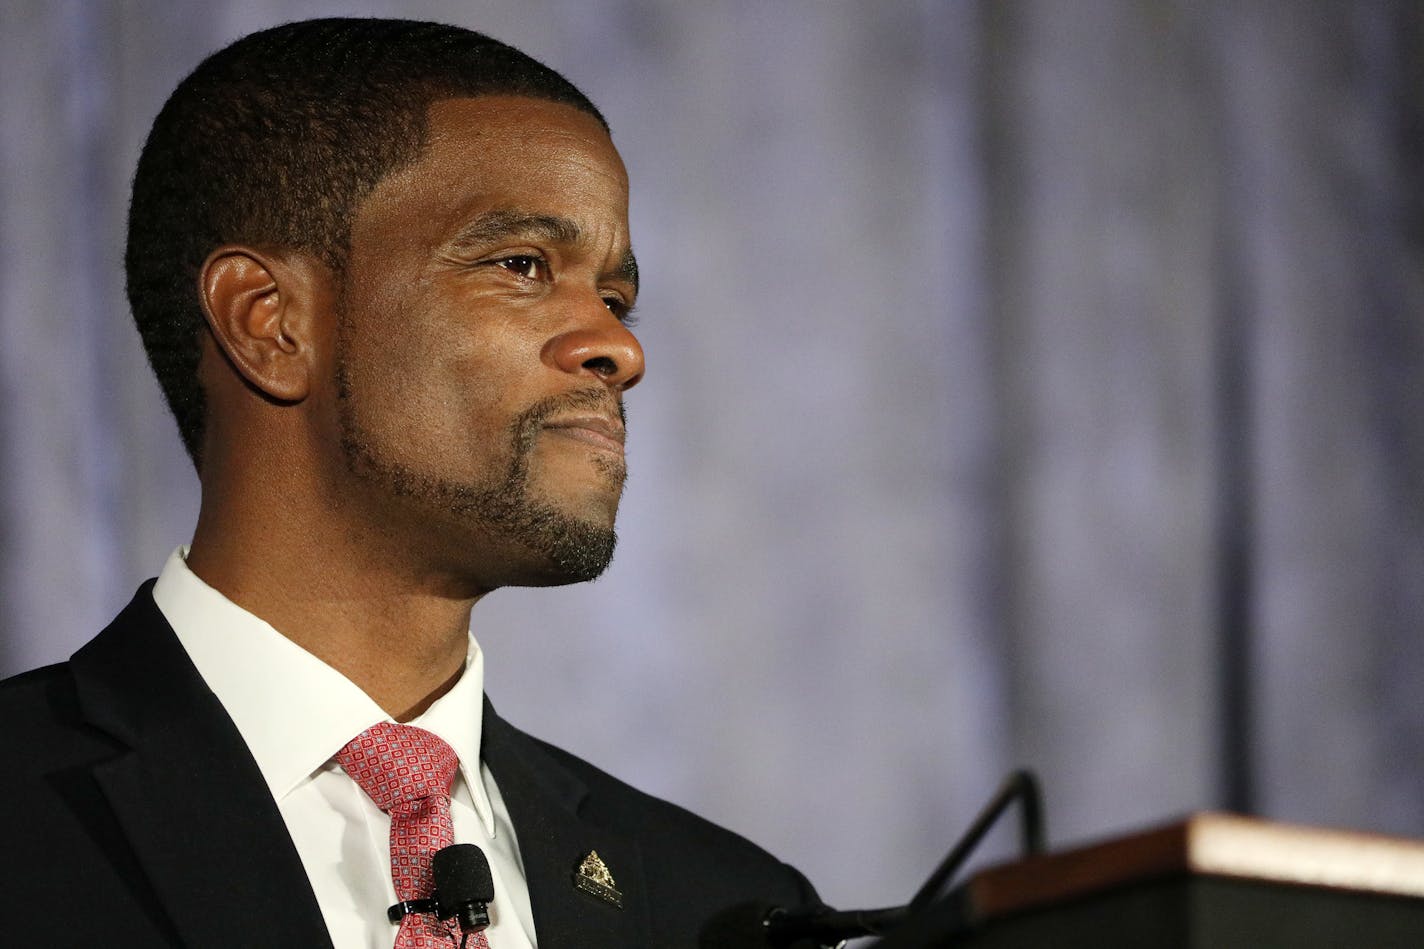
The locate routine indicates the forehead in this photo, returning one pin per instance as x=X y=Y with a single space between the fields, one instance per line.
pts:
x=502 y=151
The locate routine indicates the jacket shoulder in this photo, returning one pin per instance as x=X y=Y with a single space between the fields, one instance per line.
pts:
x=43 y=726
x=684 y=851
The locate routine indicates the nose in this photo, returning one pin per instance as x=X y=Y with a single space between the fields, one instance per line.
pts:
x=603 y=348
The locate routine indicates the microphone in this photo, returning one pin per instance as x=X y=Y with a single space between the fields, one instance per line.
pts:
x=754 y=925
x=464 y=887
x=764 y=926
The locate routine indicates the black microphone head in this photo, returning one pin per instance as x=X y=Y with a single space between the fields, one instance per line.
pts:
x=462 y=875
x=741 y=926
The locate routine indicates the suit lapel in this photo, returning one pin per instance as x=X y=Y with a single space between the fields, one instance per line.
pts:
x=188 y=795
x=544 y=802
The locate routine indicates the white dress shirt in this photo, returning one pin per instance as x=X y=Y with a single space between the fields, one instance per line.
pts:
x=295 y=712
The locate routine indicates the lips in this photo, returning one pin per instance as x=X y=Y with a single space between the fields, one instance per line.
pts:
x=597 y=431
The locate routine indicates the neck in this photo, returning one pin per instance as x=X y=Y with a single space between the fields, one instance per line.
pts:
x=399 y=636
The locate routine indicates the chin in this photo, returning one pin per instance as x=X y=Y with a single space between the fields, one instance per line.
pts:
x=581 y=553
x=575 y=560
x=549 y=545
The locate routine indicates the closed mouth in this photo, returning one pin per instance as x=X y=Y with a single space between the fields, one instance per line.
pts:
x=597 y=431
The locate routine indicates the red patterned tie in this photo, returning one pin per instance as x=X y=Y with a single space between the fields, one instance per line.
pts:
x=408 y=771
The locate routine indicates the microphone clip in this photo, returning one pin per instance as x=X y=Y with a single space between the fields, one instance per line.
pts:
x=473 y=916
x=404 y=908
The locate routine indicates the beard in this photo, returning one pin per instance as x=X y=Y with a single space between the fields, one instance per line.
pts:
x=564 y=548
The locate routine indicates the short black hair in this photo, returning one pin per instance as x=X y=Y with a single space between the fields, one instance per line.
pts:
x=274 y=141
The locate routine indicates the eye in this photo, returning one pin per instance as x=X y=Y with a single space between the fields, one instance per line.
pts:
x=620 y=309
x=529 y=266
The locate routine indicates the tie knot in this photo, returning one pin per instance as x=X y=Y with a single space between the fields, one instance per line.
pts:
x=399 y=764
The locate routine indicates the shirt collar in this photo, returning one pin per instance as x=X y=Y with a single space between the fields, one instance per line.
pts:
x=266 y=682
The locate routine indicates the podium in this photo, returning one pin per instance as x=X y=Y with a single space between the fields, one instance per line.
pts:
x=1212 y=881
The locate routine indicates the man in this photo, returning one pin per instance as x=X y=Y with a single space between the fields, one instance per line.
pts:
x=383 y=273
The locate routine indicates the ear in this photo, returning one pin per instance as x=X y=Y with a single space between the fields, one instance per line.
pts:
x=264 y=311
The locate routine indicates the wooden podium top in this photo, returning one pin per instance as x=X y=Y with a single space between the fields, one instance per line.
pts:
x=1207 y=844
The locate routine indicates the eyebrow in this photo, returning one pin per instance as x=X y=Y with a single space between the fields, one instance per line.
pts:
x=628 y=268
x=500 y=224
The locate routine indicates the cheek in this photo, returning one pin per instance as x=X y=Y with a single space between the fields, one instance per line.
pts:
x=438 y=384
x=445 y=361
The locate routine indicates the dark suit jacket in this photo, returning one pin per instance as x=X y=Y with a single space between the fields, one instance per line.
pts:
x=133 y=815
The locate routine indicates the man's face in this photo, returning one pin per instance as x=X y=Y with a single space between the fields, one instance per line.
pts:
x=481 y=350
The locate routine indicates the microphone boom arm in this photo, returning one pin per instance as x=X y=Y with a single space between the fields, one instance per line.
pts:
x=1021 y=785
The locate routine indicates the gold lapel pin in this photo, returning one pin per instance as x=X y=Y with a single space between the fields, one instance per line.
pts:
x=593 y=878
